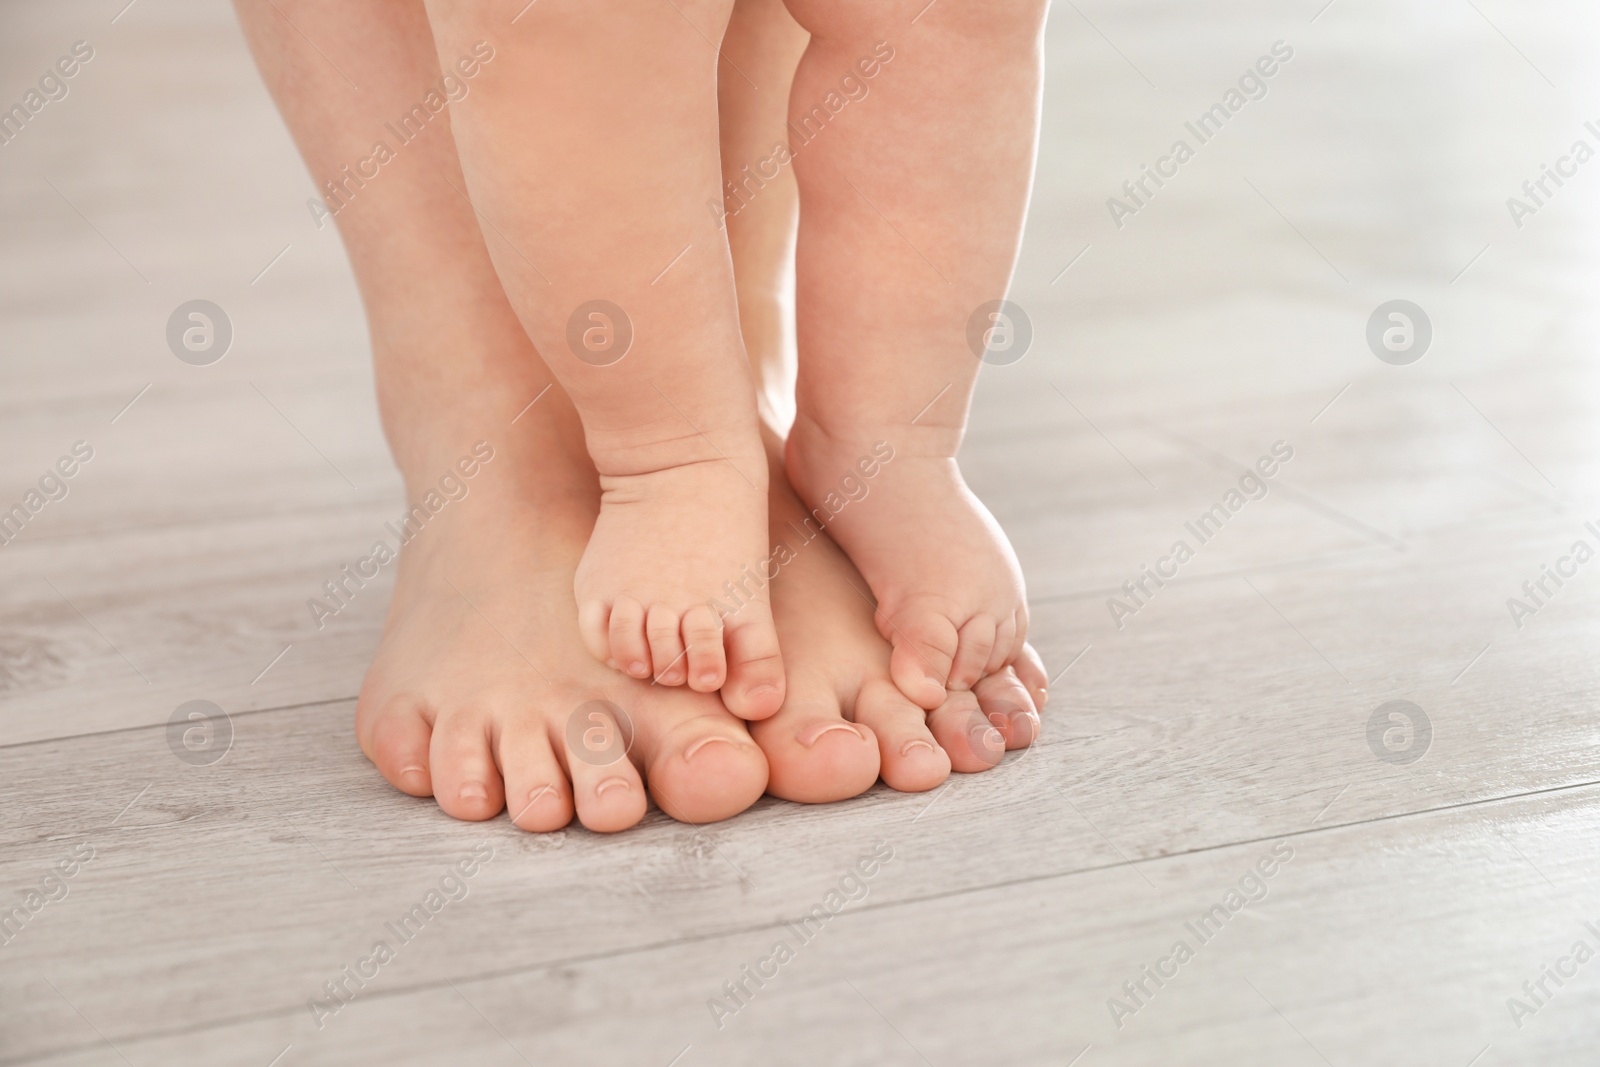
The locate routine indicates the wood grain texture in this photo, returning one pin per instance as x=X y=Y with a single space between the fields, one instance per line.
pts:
x=1230 y=712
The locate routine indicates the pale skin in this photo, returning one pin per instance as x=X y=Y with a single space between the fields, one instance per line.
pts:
x=482 y=670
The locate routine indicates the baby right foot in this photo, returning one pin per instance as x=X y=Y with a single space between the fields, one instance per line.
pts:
x=671 y=588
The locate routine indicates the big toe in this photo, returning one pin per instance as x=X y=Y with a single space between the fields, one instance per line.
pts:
x=755 y=687
x=813 y=754
x=707 y=769
x=925 y=642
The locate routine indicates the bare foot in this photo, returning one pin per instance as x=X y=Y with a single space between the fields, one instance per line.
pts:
x=948 y=586
x=483 y=696
x=845 y=723
x=664 y=588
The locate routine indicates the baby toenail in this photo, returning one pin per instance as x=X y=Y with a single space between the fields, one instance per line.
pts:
x=610 y=783
x=413 y=769
x=812 y=734
x=763 y=689
x=707 y=677
x=638 y=668
x=915 y=742
x=474 y=791
x=689 y=753
x=989 y=737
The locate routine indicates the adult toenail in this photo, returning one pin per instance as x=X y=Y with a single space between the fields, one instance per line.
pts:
x=813 y=733
x=474 y=791
x=989 y=737
x=915 y=742
x=610 y=783
x=689 y=753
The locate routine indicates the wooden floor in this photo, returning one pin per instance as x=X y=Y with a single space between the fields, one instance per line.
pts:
x=1418 y=878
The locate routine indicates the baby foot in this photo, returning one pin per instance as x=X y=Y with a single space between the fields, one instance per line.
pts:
x=670 y=587
x=844 y=722
x=950 y=597
x=481 y=694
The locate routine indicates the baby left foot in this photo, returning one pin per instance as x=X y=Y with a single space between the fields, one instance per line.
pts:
x=950 y=593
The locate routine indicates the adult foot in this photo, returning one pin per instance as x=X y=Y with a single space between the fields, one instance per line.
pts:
x=949 y=589
x=844 y=722
x=482 y=695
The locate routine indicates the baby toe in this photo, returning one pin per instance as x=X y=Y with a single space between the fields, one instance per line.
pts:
x=925 y=645
x=663 y=630
x=630 y=652
x=702 y=636
x=976 y=640
x=755 y=685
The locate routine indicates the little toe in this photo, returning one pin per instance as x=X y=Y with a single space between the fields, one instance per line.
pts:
x=702 y=636
x=397 y=744
x=755 y=685
x=465 y=781
x=662 y=628
x=815 y=756
x=976 y=642
x=1031 y=673
x=707 y=769
x=537 y=795
x=910 y=760
x=925 y=644
x=965 y=733
x=1007 y=705
x=630 y=653
x=606 y=788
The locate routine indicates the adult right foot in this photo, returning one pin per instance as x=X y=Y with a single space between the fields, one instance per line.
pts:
x=482 y=695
